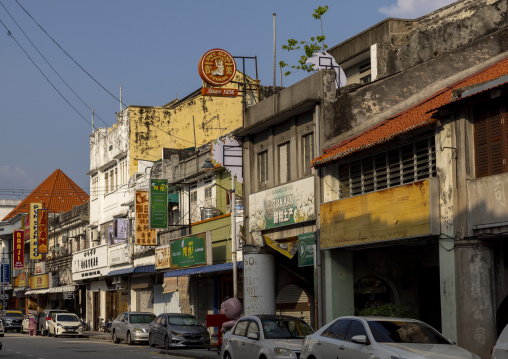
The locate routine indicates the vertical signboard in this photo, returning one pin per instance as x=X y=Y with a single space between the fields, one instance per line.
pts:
x=159 y=203
x=34 y=234
x=6 y=278
x=42 y=216
x=120 y=227
x=306 y=249
x=19 y=249
x=144 y=235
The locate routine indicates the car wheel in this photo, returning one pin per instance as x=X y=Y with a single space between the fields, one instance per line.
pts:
x=115 y=338
x=129 y=339
x=227 y=355
x=150 y=340
x=56 y=335
x=49 y=333
x=166 y=342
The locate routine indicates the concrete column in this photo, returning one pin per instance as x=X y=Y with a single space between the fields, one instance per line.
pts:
x=338 y=284
x=258 y=283
x=476 y=304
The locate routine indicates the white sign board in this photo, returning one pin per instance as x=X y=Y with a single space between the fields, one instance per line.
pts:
x=90 y=263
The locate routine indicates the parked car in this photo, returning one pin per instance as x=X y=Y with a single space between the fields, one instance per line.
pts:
x=65 y=324
x=131 y=327
x=43 y=319
x=268 y=336
x=177 y=330
x=2 y=329
x=383 y=338
x=500 y=350
x=11 y=319
x=25 y=324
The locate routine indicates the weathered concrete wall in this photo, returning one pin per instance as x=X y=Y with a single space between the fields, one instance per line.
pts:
x=488 y=201
x=152 y=128
x=361 y=109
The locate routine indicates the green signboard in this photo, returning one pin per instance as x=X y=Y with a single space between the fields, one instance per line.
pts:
x=306 y=249
x=158 y=203
x=188 y=251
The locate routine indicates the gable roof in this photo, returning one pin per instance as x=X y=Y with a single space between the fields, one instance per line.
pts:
x=58 y=193
x=412 y=118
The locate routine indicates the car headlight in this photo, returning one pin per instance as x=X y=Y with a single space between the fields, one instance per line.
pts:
x=176 y=334
x=137 y=330
x=283 y=351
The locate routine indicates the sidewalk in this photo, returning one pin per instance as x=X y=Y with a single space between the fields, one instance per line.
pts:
x=198 y=353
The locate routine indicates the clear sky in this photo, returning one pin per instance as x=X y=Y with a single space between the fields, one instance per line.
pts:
x=151 y=49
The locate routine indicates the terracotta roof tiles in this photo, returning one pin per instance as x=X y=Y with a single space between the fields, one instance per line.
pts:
x=410 y=119
x=58 y=193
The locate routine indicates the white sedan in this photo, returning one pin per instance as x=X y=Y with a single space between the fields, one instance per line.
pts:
x=500 y=350
x=65 y=324
x=383 y=338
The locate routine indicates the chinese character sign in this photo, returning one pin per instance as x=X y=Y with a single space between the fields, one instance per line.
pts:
x=19 y=249
x=34 y=234
x=283 y=205
x=159 y=203
x=144 y=235
x=42 y=216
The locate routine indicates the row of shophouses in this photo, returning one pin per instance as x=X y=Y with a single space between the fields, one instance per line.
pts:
x=392 y=189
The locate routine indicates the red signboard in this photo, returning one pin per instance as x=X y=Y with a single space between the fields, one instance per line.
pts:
x=208 y=91
x=19 y=249
x=217 y=67
x=42 y=217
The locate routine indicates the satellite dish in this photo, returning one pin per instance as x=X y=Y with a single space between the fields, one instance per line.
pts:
x=325 y=61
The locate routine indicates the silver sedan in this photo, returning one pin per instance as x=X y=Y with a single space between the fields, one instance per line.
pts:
x=131 y=327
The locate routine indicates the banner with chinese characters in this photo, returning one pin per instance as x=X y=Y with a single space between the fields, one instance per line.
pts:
x=22 y=280
x=43 y=225
x=283 y=205
x=162 y=257
x=159 y=203
x=144 y=235
x=34 y=234
x=189 y=251
x=39 y=281
x=19 y=249
x=90 y=263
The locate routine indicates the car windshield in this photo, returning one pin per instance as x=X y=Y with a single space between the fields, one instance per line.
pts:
x=396 y=331
x=141 y=318
x=14 y=315
x=183 y=320
x=285 y=328
x=67 y=318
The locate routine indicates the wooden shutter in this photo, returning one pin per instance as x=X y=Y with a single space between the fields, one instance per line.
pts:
x=490 y=136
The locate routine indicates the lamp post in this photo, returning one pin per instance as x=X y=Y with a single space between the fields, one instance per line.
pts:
x=209 y=166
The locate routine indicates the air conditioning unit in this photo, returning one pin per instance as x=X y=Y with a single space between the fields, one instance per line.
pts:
x=117 y=280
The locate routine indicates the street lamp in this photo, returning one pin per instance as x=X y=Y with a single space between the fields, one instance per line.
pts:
x=208 y=165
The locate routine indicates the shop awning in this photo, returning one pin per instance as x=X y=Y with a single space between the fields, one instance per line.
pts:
x=20 y=289
x=130 y=270
x=36 y=291
x=202 y=270
x=62 y=289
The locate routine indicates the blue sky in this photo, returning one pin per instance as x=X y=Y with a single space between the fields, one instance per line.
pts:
x=148 y=47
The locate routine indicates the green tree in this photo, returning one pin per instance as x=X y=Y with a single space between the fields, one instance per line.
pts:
x=316 y=44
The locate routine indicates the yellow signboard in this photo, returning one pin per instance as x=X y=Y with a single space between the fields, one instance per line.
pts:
x=407 y=211
x=288 y=248
x=39 y=281
x=34 y=237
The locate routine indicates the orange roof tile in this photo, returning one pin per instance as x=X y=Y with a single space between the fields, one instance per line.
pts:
x=58 y=193
x=410 y=119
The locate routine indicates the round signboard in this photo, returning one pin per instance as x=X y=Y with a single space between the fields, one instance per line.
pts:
x=217 y=67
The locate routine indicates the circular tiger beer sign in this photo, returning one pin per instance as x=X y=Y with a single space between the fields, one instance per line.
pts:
x=217 y=67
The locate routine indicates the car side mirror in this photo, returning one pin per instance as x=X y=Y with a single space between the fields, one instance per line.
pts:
x=360 y=339
x=254 y=336
x=451 y=341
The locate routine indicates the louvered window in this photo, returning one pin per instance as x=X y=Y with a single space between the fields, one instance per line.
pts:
x=402 y=165
x=491 y=138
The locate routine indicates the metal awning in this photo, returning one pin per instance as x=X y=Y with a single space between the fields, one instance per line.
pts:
x=20 y=289
x=36 y=291
x=62 y=289
x=130 y=270
x=224 y=267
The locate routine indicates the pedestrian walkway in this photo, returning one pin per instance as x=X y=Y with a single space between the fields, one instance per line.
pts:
x=197 y=353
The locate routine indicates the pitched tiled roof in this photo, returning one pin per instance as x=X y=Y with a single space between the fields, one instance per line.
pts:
x=410 y=119
x=58 y=193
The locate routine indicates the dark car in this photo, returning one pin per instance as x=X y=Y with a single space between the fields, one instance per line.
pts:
x=44 y=317
x=177 y=330
x=12 y=319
